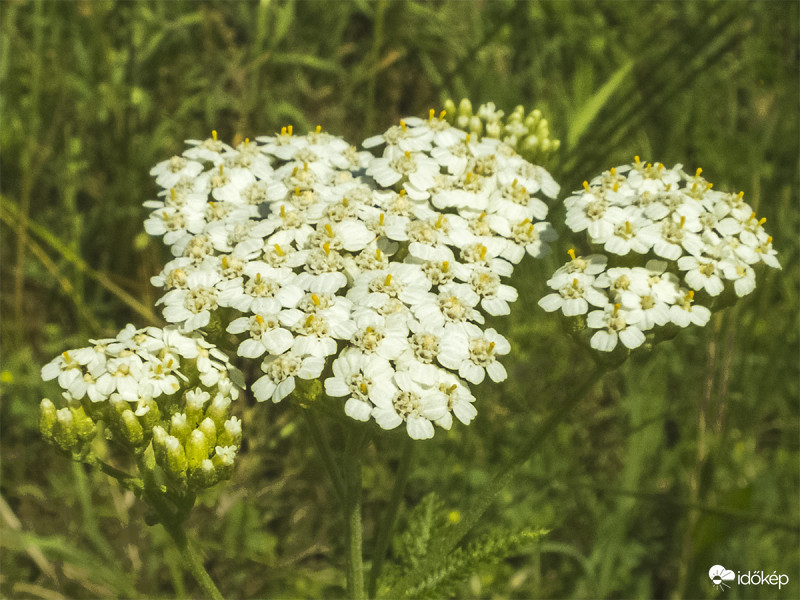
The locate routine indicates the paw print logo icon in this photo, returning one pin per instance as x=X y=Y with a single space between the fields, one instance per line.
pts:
x=719 y=575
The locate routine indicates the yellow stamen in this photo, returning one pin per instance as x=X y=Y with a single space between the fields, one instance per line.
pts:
x=172 y=193
x=66 y=356
x=468 y=138
x=364 y=388
x=296 y=190
x=709 y=185
x=403 y=125
x=318 y=129
x=769 y=240
x=586 y=185
x=752 y=216
x=326 y=247
x=491 y=346
x=159 y=369
x=289 y=129
x=309 y=320
x=283 y=130
x=431 y=112
x=294 y=172
x=388 y=281
x=694 y=187
x=762 y=220
x=575 y=282
x=442 y=114
x=259 y=319
x=408 y=154
x=636 y=159
x=697 y=173
x=445 y=265
x=628 y=227
x=439 y=222
x=328 y=229
x=381 y=220
x=401 y=193
x=246 y=142
x=690 y=295
x=214 y=134
x=741 y=195
x=220 y=169
x=483 y=250
x=668 y=187
x=315 y=299
x=616 y=186
x=617 y=306
x=571 y=253
x=683 y=222
x=283 y=210
x=224 y=262
x=279 y=251
x=468 y=177
x=258 y=277
x=613 y=171
x=378 y=254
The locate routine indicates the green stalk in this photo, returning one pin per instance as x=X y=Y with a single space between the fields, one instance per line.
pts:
x=390 y=516
x=325 y=452
x=352 y=514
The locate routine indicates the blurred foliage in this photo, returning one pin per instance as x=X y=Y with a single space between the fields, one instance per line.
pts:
x=684 y=458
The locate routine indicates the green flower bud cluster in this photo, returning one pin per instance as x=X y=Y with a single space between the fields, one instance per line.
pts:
x=144 y=389
x=198 y=445
x=528 y=133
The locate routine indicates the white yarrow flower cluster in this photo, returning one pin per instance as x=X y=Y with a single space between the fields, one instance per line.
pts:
x=697 y=240
x=381 y=268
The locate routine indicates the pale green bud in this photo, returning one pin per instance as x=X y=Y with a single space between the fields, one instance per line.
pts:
x=545 y=145
x=176 y=458
x=179 y=427
x=48 y=418
x=209 y=429
x=84 y=426
x=219 y=410
x=450 y=109
x=475 y=125
x=232 y=434
x=148 y=413
x=160 y=436
x=555 y=145
x=64 y=430
x=465 y=108
x=205 y=476
x=196 y=449
x=194 y=402
x=223 y=460
x=132 y=430
x=493 y=129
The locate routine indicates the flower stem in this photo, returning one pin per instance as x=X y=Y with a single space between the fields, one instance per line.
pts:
x=390 y=516
x=193 y=561
x=352 y=514
x=325 y=452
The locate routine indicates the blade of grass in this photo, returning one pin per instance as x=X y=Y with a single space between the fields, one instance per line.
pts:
x=11 y=215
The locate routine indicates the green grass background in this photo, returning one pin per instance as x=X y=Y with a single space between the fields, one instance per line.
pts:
x=684 y=458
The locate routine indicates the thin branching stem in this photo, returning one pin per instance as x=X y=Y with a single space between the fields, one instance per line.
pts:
x=352 y=513
x=326 y=453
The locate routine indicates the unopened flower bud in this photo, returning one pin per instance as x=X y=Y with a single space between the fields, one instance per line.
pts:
x=205 y=476
x=148 y=413
x=232 y=434
x=493 y=129
x=450 y=109
x=47 y=419
x=218 y=411
x=160 y=436
x=131 y=428
x=84 y=426
x=223 y=460
x=195 y=401
x=179 y=427
x=475 y=125
x=465 y=107
x=209 y=429
x=176 y=458
x=196 y=449
x=64 y=430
